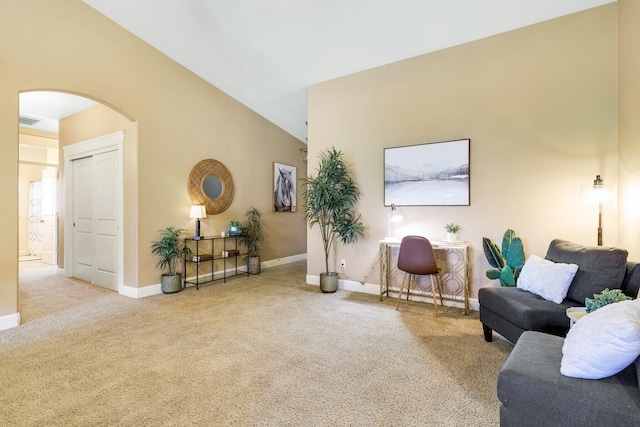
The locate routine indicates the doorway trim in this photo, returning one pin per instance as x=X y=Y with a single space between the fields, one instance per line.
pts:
x=110 y=142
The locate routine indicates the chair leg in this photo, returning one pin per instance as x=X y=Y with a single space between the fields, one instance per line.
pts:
x=440 y=286
x=401 y=288
x=433 y=292
x=412 y=279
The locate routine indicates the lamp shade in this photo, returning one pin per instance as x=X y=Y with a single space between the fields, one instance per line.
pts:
x=198 y=211
x=598 y=197
x=394 y=215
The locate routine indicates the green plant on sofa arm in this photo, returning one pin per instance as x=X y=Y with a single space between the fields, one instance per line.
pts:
x=604 y=298
x=508 y=263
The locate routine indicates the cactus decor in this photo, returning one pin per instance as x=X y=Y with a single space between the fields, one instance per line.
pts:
x=605 y=297
x=508 y=263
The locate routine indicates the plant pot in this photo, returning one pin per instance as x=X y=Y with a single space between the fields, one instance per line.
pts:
x=452 y=237
x=328 y=282
x=253 y=265
x=171 y=283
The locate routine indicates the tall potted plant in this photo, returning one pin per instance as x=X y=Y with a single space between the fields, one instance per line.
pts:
x=331 y=197
x=252 y=237
x=169 y=250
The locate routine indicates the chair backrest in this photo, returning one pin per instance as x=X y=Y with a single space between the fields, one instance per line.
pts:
x=416 y=256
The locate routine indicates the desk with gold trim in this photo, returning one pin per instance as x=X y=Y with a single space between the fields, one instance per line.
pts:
x=452 y=259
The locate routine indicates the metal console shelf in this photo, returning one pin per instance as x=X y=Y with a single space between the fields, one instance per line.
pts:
x=210 y=253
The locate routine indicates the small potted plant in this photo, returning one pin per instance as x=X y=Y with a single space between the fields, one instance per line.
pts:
x=252 y=237
x=234 y=227
x=169 y=250
x=452 y=230
x=606 y=297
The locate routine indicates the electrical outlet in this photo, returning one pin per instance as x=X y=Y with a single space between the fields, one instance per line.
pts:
x=343 y=263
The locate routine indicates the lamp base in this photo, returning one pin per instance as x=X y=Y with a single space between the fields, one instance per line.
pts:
x=197 y=236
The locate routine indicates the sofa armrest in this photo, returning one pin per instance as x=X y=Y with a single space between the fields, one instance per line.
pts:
x=534 y=393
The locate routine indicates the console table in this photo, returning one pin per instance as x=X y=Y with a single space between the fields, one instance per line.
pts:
x=209 y=253
x=452 y=259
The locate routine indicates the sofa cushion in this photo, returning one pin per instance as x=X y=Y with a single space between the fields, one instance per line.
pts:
x=525 y=309
x=534 y=393
x=548 y=279
x=631 y=283
x=599 y=267
x=603 y=342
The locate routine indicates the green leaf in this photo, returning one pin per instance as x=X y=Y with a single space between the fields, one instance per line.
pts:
x=492 y=253
x=515 y=254
x=493 y=274
x=506 y=277
x=508 y=237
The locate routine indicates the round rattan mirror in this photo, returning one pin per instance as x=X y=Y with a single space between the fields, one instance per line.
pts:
x=210 y=184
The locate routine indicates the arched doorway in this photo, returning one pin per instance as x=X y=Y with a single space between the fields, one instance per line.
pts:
x=77 y=118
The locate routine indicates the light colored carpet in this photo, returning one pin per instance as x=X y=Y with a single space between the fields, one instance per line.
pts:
x=263 y=350
x=43 y=293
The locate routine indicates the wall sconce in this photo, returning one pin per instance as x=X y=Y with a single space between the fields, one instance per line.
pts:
x=197 y=212
x=599 y=198
x=393 y=216
x=303 y=154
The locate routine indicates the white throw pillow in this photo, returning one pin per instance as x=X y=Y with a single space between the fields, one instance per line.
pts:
x=603 y=342
x=548 y=279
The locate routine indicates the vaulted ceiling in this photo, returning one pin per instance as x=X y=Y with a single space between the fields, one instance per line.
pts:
x=265 y=53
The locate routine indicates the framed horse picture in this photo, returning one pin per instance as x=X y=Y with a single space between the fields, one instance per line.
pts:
x=284 y=188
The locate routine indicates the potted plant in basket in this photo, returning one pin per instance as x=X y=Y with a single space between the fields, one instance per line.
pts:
x=252 y=238
x=331 y=197
x=169 y=250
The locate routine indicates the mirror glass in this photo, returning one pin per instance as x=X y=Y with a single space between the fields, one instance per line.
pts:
x=212 y=186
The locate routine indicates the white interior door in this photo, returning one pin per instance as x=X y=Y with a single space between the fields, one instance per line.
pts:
x=49 y=215
x=96 y=197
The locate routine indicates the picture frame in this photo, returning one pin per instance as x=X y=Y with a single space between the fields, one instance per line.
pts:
x=430 y=174
x=284 y=187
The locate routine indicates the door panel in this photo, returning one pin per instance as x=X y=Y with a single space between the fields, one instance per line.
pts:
x=106 y=170
x=83 y=244
x=49 y=215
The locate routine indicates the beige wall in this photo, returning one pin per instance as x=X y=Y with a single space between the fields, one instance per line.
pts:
x=629 y=125
x=540 y=107
x=67 y=46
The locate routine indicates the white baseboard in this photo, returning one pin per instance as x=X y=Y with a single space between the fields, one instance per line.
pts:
x=370 y=288
x=281 y=261
x=9 y=321
x=147 y=291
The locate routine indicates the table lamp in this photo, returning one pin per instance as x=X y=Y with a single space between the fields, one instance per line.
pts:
x=197 y=212
x=392 y=216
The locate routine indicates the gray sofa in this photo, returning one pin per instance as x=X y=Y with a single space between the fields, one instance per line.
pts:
x=512 y=311
x=532 y=391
